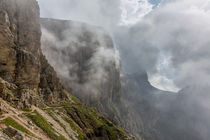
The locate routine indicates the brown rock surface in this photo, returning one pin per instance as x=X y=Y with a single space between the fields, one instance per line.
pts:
x=21 y=59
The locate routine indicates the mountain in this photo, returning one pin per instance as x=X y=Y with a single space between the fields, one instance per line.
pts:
x=87 y=63
x=33 y=102
x=85 y=59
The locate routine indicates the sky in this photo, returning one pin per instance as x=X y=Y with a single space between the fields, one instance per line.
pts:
x=169 y=39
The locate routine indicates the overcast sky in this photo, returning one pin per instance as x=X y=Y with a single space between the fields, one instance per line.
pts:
x=169 y=39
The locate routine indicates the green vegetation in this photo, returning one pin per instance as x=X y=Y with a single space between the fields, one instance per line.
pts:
x=57 y=120
x=76 y=101
x=44 y=125
x=74 y=127
x=10 y=122
x=82 y=119
x=27 y=109
x=112 y=130
x=82 y=115
x=89 y=119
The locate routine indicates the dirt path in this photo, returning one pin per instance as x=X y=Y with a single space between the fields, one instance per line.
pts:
x=20 y=119
x=37 y=133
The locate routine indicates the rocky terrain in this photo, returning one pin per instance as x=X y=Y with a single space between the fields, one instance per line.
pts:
x=33 y=102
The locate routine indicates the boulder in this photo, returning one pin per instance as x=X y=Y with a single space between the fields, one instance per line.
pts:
x=14 y=133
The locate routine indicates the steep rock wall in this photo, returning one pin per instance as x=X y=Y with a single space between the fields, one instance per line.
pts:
x=85 y=59
x=21 y=59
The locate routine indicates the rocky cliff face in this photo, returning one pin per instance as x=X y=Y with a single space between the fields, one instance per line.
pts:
x=74 y=50
x=33 y=103
x=20 y=37
x=85 y=59
x=144 y=103
x=21 y=57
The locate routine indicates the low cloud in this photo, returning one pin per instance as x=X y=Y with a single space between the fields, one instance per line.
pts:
x=179 y=28
x=83 y=56
x=97 y=12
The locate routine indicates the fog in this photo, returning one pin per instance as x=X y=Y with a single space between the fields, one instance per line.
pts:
x=169 y=40
x=176 y=28
x=82 y=55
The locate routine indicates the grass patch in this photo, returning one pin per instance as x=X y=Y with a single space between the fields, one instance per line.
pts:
x=92 y=120
x=76 y=101
x=11 y=122
x=74 y=127
x=27 y=109
x=57 y=120
x=86 y=115
x=113 y=130
x=44 y=125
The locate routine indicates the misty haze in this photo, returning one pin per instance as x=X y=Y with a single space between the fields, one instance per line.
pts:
x=105 y=69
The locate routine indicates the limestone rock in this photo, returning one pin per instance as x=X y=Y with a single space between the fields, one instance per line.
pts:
x=20 y=42
x=7 y=90
x=3 y=136
x=21 y=60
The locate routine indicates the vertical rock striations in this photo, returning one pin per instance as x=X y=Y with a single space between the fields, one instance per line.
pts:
x=21 y=59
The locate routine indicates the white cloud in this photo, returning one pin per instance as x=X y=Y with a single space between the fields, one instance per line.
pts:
x=163 y=77
x=162 y=82
x=180 y=27
x=134 y=10
x=105 y=13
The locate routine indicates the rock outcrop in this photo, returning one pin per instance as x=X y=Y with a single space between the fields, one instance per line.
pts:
x=13 y=133
x=21 y=59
